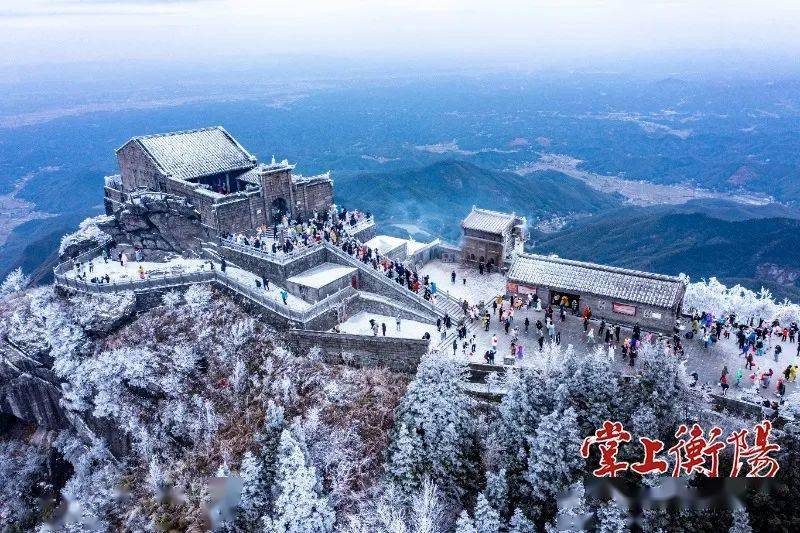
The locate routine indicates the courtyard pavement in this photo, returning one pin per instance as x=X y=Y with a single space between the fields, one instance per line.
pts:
x=708 y=363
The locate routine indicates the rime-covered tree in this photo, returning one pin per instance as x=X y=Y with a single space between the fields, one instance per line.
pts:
x=486 y=518
x=496 y=491
x=519 y=523
x=14 y=282
x=554 y=461
x=610 y=518
x=402 y=468
x=741 y=521
x=439 y=442
x=426 y=509
x=529 y=398
x=590 y=388
x=299 y=508
x=258 y=471
x=662 y=388
x=465 y=524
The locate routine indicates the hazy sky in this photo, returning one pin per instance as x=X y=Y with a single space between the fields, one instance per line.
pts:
x=516 y=31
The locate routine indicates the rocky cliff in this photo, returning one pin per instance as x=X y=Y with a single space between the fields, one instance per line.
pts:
x=154 y=221
x=31 y=326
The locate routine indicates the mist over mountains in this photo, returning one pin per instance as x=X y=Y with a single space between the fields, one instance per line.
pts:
x=419 y=151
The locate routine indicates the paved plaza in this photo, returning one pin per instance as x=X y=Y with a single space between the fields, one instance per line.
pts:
x=708 y=363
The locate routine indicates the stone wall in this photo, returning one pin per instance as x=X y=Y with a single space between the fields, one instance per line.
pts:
x=398 y=355
x=447 y=253
x=200 y=199
x=274 y=271
x=233 y=216
x=602 y=307
x=137 y=168
x=315 y=294
x=313 y=196
x=386 y=307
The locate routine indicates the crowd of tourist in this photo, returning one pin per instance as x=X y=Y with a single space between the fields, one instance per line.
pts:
x=333 y=226
x=759 y=346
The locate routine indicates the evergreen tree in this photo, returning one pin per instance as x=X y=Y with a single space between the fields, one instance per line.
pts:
x=258 y=472
x=486 y=519
x=440 y=445
x=465 y=524
x=529 y=397
x=401 y=468
x=497 y=490
x=554 y=462
x=590 y=388
x=14 y=282
x=255 y=500
x=519 y=523
x=741 y=521
x=426 y=509
x=610 y=519
x=662 y=389
x=299 y=508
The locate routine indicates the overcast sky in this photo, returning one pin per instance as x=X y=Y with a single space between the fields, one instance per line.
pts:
x=515 y=31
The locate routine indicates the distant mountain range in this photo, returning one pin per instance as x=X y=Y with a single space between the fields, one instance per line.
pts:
x=754 y=252
x=437 y=197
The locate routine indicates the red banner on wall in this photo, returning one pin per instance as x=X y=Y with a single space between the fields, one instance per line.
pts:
x=624 y=309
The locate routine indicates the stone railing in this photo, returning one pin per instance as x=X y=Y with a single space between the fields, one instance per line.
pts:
x=85 y=257
x=382 y=278
x=211 y=276
x=279 y=257
x=149 y=283
x=260 y=297
x=359 y=226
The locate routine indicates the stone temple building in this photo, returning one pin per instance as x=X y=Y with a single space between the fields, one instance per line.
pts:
x=491 y=237
x=225 y=183
x=618 y=295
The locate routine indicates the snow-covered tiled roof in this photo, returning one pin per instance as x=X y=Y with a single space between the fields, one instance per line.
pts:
x=602 y=280
x=488 y=221
x=195 y=153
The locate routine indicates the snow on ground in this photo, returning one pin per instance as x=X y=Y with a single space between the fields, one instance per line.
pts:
x=358 y=324
x=384 y=243
x=477 y=287
x=322 y=275
x=247 y=278
x=178 y=266
x=413 y=246
x=130 y=272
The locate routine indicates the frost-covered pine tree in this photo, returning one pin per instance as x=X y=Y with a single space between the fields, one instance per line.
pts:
x=465 y=524
x=258 y=471
x=426 y=509
x=610 y=519
x=401 y=468
x=519 y=523
x=299 y=508
x=436 y=412
x=486 y=518
x=590 y=388
x=14 y=282
x=554 y=461
x=528 y=399
x=741 y=521
x=255 y=498
x=663 y=389
x=497 y=490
